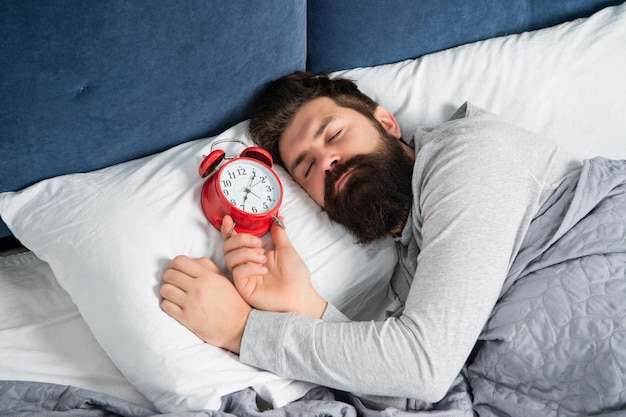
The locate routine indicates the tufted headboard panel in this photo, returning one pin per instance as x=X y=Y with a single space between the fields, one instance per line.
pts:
x=348 y=33
x=87 y=84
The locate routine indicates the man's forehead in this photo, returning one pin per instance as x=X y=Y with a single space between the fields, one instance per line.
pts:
x=291 y=135
x=289 y=142
x=303 y=124
x=307 y=114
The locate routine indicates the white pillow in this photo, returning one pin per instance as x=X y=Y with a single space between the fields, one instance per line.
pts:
x=108 y=236
x=565 y=83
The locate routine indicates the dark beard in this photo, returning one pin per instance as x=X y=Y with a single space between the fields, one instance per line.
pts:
x=376 y=199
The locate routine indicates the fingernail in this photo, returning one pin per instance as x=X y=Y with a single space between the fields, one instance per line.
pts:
x=278 y=222
x=232 y=229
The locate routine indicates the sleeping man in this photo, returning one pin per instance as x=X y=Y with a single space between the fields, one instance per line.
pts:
x=479 y=209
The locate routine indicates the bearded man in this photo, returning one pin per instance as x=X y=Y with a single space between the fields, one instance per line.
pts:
x=464 y=202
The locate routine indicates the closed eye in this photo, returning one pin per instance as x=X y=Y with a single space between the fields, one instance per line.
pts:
x=306 y=174
x=333 y=137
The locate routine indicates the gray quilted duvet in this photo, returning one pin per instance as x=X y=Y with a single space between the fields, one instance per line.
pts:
x=556 y=341
x=555 y=345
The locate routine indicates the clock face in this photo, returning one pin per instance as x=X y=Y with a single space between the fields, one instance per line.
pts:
x=250 y=186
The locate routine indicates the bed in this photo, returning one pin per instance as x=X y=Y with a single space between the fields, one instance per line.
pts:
x=107 y=110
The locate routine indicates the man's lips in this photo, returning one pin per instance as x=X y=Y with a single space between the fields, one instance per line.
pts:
x=341 y=182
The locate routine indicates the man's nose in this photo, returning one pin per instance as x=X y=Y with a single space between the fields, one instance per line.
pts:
x=329 y=163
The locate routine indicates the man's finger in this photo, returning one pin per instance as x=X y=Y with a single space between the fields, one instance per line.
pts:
x=228 y=227
x=177 y=278
x=244 y=255
x=192 y=267
x=172 y=293
x=279 y=235
x=247 y=277
x=172 y=309
x=239 y=241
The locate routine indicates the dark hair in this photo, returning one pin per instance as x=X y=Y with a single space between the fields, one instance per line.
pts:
x=282 y=98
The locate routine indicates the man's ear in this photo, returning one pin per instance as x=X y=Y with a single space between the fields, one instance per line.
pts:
x=388 y=120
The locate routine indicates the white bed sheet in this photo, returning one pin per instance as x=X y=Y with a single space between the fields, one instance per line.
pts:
x=44 y=338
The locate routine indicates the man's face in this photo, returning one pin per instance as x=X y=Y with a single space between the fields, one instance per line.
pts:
x=359 y=172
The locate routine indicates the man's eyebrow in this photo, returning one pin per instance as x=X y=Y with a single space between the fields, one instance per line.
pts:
x=320 y=130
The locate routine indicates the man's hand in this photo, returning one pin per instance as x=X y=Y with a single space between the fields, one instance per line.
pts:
x=275 y=280
x=202 y=299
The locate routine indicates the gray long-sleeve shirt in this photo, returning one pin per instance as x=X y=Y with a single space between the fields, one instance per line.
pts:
x=477 y=183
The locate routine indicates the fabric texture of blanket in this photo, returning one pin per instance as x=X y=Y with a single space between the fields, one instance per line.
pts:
x=556 y=342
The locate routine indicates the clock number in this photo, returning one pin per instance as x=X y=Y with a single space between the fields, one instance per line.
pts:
x=241 y=171
x=226 y=183
x=254 y=209
x=231 y=175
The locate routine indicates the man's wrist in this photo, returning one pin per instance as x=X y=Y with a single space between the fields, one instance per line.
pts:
x=234 y=343
x=314 y=308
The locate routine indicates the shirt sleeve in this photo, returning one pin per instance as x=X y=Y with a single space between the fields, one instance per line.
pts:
x=333 y=315
x=474 y=199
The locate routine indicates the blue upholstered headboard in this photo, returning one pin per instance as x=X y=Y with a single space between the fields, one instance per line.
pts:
x=345 y=34
x=87 y=84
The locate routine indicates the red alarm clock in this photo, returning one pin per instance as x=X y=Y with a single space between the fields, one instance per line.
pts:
x=246 y=187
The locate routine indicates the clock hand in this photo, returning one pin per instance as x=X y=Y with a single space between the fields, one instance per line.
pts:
x=250 y=191
x=257 y=183
x=247 y=190
x=252 y=178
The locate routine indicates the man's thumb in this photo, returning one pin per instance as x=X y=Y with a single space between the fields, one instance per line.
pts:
x=279 y=234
